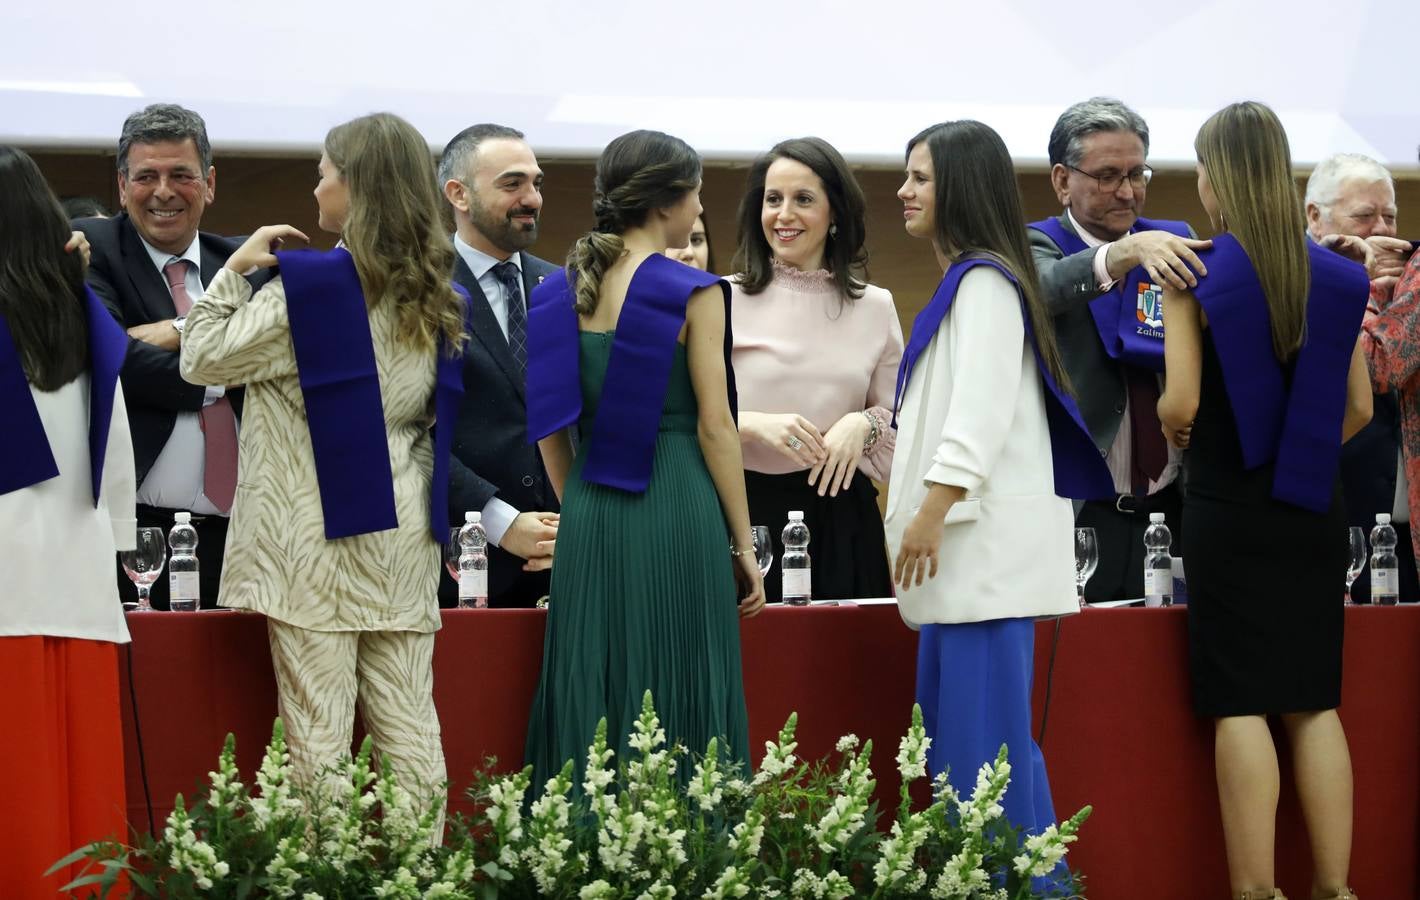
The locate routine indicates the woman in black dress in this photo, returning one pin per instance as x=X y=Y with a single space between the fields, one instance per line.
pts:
x=1265 y=575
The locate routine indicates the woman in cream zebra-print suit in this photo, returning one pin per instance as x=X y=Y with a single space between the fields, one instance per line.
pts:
x=356 y=616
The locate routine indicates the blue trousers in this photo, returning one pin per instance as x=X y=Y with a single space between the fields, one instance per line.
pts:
x=974 y=687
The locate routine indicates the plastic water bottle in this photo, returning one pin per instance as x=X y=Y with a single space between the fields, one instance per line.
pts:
x=1158 y=564
x=798 y=580
x=1385 y=576
x=184 y=589
x=473 y=563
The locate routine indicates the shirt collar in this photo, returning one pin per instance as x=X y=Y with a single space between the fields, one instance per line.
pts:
x=1089 y=239
x=479 y=262
x=192 y=254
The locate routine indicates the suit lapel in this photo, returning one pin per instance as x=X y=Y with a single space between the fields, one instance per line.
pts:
x=485 y=325
x=148 y=284
x=211 y=261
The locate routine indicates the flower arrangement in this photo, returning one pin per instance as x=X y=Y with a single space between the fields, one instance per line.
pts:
x=644 y=828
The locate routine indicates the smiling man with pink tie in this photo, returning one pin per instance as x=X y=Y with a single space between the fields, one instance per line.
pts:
x=150 y=264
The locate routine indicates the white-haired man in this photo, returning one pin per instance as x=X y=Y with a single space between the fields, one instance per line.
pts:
x=1352 y=194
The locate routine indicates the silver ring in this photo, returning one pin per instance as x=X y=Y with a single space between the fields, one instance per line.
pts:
x=795 y=443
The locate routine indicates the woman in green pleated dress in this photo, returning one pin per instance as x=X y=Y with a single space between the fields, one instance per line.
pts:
x=654 y=544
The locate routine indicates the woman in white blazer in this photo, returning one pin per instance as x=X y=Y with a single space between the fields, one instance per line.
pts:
x=981 y=542
x=66 y=504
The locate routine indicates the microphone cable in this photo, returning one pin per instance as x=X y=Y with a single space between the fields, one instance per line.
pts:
x=1049 y=683
x=138 y=738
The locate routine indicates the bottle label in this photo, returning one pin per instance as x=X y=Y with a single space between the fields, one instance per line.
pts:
x=183 y=586
x=1158 y=583
x=1384 y=582
x=473 y=585
x=797 y=582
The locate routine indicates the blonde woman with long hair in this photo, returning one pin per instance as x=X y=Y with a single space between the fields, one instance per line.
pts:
x=1265 y=380
x=330 y=535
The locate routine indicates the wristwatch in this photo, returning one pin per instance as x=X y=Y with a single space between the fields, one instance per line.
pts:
x=179 y=324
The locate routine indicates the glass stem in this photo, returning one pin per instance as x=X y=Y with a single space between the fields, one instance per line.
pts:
x=143 y=603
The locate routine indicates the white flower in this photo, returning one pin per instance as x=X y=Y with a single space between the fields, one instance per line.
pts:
x=846 y=743
x=912 y=751
x=597 y=890
x=729 y=884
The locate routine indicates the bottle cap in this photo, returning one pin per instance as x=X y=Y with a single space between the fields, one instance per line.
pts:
x=1156 y=518
x=472 y=518
x=182 y=518
x=796 y=515
x=1382 y=518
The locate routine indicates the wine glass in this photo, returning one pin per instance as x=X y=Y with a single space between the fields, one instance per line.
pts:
x=1087 y=558
x=1357 y=561
x=763 y=548
x=451 y=554
x=143 y=564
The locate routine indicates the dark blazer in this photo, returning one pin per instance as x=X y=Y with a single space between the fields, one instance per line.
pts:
x=1068 y=284
x=1368 y=463
x=491 y=454
x=123 y=275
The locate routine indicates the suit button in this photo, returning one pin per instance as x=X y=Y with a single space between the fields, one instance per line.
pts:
x=527 y=481
x=1104 y=453
x=1119 y=408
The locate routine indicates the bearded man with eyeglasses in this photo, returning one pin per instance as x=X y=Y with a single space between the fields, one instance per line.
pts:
x=1102 y=271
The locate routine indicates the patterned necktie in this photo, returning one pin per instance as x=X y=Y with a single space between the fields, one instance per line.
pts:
x=219 y=422
x=511 y=277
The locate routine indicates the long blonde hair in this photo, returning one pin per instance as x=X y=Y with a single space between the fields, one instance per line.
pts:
x=394 y=229
x=1244 y=150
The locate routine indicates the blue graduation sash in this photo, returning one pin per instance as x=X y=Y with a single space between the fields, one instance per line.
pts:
x=335 y=363
x=1129 y=317
x=26 y=458
x=1080 y=471
x=621 y=448
x=1298 y=429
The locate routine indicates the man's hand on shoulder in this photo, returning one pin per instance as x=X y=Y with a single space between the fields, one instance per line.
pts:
x=532 y=536
x=160 y=334
x=1167 y=258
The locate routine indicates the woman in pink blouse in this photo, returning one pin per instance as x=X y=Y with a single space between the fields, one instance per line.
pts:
x=816 y=350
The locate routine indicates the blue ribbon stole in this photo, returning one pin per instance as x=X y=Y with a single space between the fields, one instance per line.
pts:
x=335 y=362
x=26 y=458
x=1129 y=317
x=621 y=448
x=1080 y=471
x=1298 y=428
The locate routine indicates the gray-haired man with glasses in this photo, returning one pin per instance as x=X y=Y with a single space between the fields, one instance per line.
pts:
x=1102 y=271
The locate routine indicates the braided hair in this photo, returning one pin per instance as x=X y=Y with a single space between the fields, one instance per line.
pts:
x=637 y=173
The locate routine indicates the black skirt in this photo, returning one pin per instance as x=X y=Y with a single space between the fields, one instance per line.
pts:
x=1266 y=580
x=847 y=547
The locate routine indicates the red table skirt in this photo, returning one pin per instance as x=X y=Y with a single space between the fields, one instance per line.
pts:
x=1121 y=733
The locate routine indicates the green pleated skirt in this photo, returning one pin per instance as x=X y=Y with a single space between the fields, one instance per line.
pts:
x=643 y=598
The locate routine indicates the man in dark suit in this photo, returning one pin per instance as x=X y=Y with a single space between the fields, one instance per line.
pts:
x=494 y=185
x=149 y=264
x=1351 y=194
x=1097 y=155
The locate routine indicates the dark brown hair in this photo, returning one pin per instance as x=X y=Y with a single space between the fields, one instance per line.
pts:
x=41 y=286
x=637 y=173
x=844 y=254
x=978 y=212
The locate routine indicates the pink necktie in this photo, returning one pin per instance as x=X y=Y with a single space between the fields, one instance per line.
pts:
x=219 y=422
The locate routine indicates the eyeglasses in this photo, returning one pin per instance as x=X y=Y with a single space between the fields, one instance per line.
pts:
x=1111 y=181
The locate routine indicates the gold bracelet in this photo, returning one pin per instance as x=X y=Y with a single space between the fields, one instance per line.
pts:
x=734 y=552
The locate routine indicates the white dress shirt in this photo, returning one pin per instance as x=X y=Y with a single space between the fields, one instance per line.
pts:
x=1120 y=458
x=175 y=479
x=498 y=514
